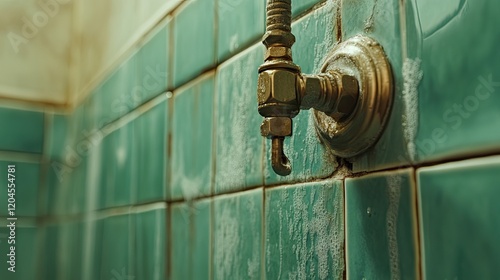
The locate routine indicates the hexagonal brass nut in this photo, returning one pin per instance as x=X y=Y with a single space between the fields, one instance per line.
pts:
x=311 y=91
x=277 y=86
x=348 y=95
x=278 y=37
x=276 y=127
x=278 y=52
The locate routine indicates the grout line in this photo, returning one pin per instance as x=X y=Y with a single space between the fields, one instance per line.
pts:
x=21 y=222
x=21 y=157
x=230 y=192
x=216 y=31
x=194 y=82
x=310 y=10
x=402 y=23
x=431 y=163
x=168 y=123
x=213 y=171
x=137 y=209
x=170 y=54
x=211 y=244
x=297 y=182
x=25 y=104
x=211 y=240
x=103 y=213
x=169 y=138
x=41 y=246
x=215 y=104
x=263 y=236
x=418 y=227
x=121 y=121
x=344 y=222
x=168 y=242
x=265 y=163
x=339 y=21
x=458 y=158
x=43 y=187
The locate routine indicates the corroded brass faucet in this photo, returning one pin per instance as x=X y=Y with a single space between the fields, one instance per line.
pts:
x=283 y=90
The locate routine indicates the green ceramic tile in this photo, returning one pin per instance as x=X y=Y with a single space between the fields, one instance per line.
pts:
x=96 y=176
x=316 y=36
x=68 y=132
x=114 y=97
x=459 y=219
x=60 y=137
x=250 y=16
x=56 y=130
x=380 y=19
x=71 y=145
x=70 y=251
x=119 y=167
x=52 y=205
x=79 y=185
x=194 y=40
x=237 y=236
x=150 y=258
x=26 y=251
x=65 y=185
x=26 y=186
x=93 y=171
x=93 y=261
x=22 y=131
x=107 y=177
x=66 y=197
x=151 y=153
x=48 y=266
x=64 y=190
x=298 y=7
x=190 y=240
x=152 y=62
x=458 y=94
x=192 y=134
x=381 y=233
x=180 y=246
x=118 y=250
x=305 y=231
x=239 y=145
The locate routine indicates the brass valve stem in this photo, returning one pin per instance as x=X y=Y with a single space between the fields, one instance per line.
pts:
x=279 y=40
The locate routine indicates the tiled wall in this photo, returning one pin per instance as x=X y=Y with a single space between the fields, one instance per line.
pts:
x=162 y=173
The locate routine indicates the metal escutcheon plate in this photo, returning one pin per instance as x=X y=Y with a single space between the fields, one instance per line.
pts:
x=365 y=59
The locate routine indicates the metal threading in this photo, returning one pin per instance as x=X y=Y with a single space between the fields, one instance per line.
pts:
x=279 y=15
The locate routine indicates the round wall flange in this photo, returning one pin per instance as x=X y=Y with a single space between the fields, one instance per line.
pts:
x=363 y=58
